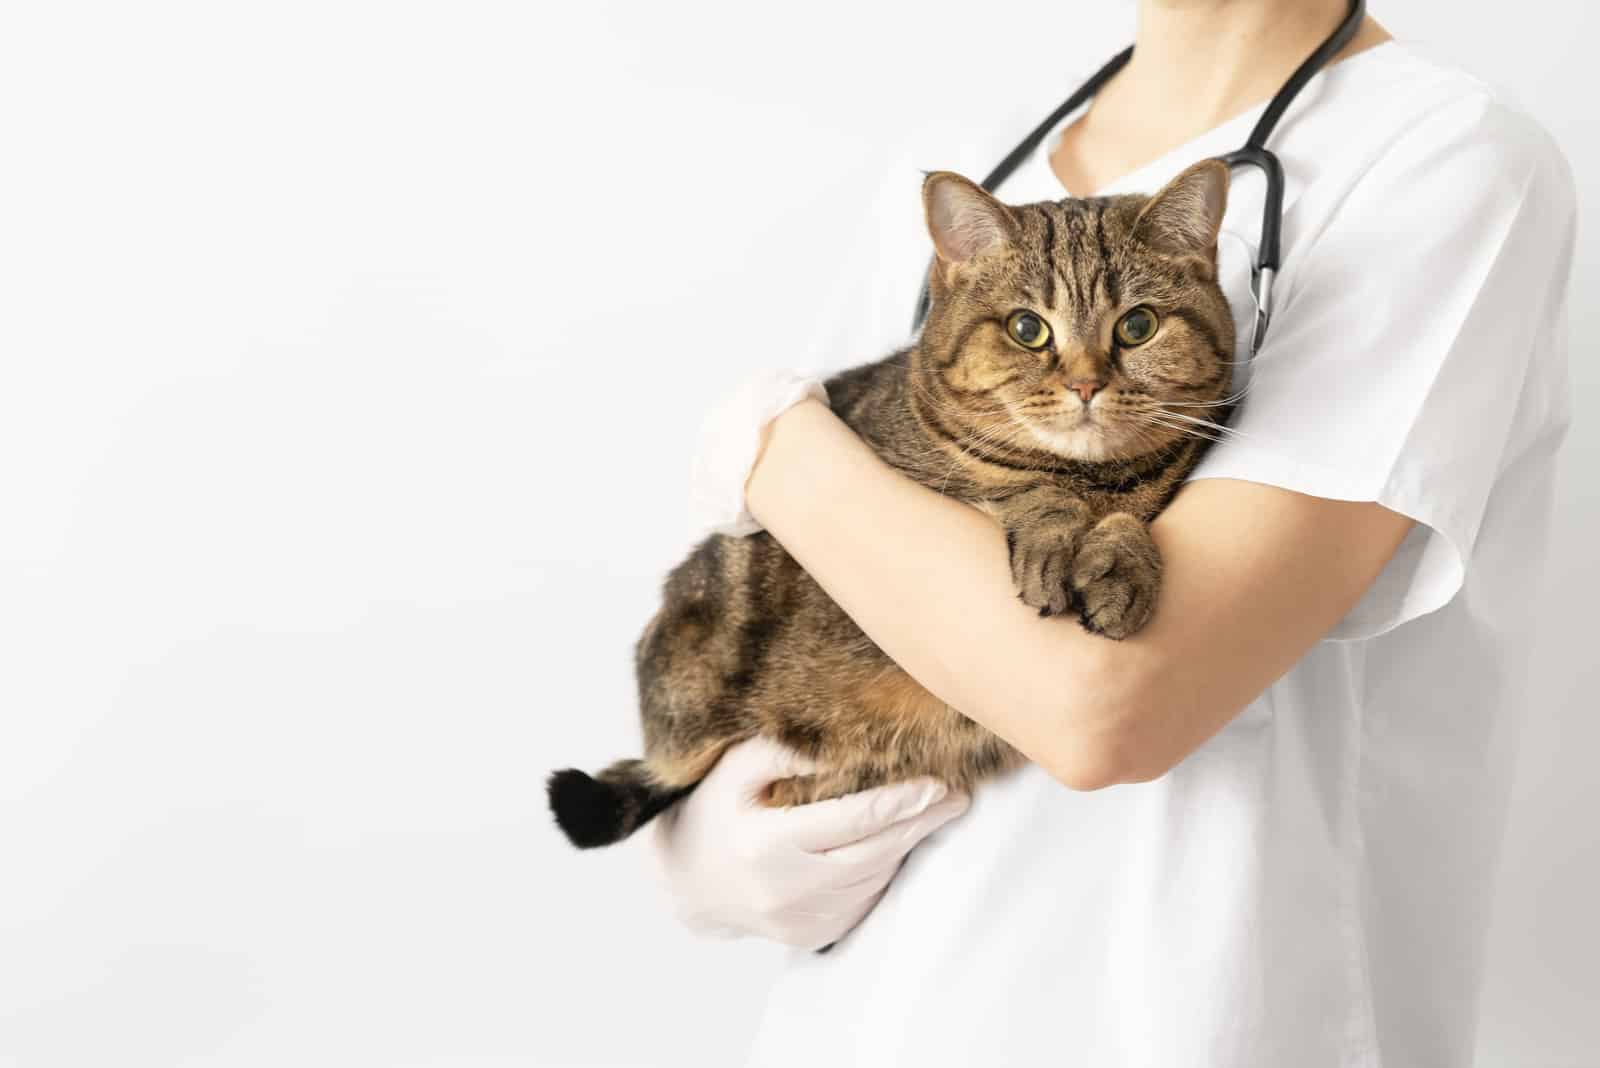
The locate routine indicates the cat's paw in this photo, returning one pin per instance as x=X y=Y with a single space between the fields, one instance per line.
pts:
x=1041 y=562
x=1115 y=576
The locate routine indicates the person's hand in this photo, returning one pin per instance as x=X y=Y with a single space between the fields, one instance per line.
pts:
x=729 y=441
x=803 y=876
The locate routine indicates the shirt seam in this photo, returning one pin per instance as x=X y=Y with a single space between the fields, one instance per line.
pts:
x=1363 y=1023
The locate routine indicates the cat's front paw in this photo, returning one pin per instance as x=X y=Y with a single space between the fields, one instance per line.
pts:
x=1115 y=576
x=1041 y=562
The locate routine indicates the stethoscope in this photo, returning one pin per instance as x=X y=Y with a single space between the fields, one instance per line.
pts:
x=1254 y=153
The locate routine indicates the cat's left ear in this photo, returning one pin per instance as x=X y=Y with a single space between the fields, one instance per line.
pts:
x=964 y=220
x=1184 y=217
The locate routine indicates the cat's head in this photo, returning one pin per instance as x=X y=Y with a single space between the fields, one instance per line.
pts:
x=1094 y=327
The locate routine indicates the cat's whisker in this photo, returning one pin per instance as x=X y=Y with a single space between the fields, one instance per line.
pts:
x=1232 y=398
x=1002 y=435
x=1225 y=403
x=988 y=436
x=1185 y=432
x=1207 y=423
x=975 y=436
x=1202 y=429
x=959 y=410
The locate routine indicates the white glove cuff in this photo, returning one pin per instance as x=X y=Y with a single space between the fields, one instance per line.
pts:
x=729 y=439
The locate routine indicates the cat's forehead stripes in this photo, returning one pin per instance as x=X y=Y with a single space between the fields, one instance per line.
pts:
x=1073 y=270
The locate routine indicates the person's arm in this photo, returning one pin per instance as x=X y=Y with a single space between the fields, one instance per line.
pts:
x=1254 y=576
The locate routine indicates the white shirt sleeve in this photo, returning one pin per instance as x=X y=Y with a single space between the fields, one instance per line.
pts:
x=1408 y=330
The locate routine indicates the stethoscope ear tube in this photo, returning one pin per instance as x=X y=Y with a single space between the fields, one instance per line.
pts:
x=1342 y=35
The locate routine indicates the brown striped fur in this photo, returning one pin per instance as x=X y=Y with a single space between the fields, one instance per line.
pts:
x=746 y=643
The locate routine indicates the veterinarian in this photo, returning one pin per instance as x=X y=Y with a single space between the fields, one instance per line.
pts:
x=1263 y=831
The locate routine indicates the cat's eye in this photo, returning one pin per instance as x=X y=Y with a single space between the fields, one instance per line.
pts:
x=1138 y=326
x=1028 y=330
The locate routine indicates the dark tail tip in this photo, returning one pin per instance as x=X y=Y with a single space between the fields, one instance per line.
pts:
x=605 y=808
x=589 y=812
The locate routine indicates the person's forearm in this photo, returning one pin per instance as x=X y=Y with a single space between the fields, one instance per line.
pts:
x=928 y=578
x=1253 y=576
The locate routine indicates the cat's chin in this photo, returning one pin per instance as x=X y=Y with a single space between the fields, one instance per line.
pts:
x=1092 y=441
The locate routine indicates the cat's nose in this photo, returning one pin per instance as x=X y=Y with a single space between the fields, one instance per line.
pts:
x=1086 y=388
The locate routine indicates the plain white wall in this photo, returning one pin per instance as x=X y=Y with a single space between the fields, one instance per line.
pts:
x=350 y=356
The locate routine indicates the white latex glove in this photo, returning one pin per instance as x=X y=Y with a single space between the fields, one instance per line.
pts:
x=803 y=875
x=730 y=439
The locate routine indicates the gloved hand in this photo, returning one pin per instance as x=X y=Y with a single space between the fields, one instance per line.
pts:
x=804 y=875
x=729 y=441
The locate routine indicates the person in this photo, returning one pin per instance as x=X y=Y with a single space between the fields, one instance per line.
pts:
x=1263 y=831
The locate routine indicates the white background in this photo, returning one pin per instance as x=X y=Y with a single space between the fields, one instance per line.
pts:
x=350 y=356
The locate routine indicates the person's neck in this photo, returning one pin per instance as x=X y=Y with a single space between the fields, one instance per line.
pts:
x=1197 y=63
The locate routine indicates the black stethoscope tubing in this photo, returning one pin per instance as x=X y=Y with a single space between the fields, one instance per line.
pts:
x=1254 y=153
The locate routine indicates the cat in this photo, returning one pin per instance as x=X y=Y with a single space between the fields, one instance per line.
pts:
x=1036 y=311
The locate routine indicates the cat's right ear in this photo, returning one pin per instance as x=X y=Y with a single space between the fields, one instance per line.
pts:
x=964 y=220
x=1184 y=216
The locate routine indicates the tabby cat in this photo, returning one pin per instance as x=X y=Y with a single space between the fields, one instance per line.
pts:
x=1074 y=366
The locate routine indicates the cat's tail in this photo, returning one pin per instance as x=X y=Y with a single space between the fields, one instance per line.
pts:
x=606 y=808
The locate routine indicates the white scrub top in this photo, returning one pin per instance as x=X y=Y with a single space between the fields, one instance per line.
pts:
x=1310 y=887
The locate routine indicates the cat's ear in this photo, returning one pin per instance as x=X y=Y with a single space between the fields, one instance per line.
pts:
x=1184 y=217
x=963 y=219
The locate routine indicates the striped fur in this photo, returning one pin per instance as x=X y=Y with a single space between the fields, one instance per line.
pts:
x=746 y=643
